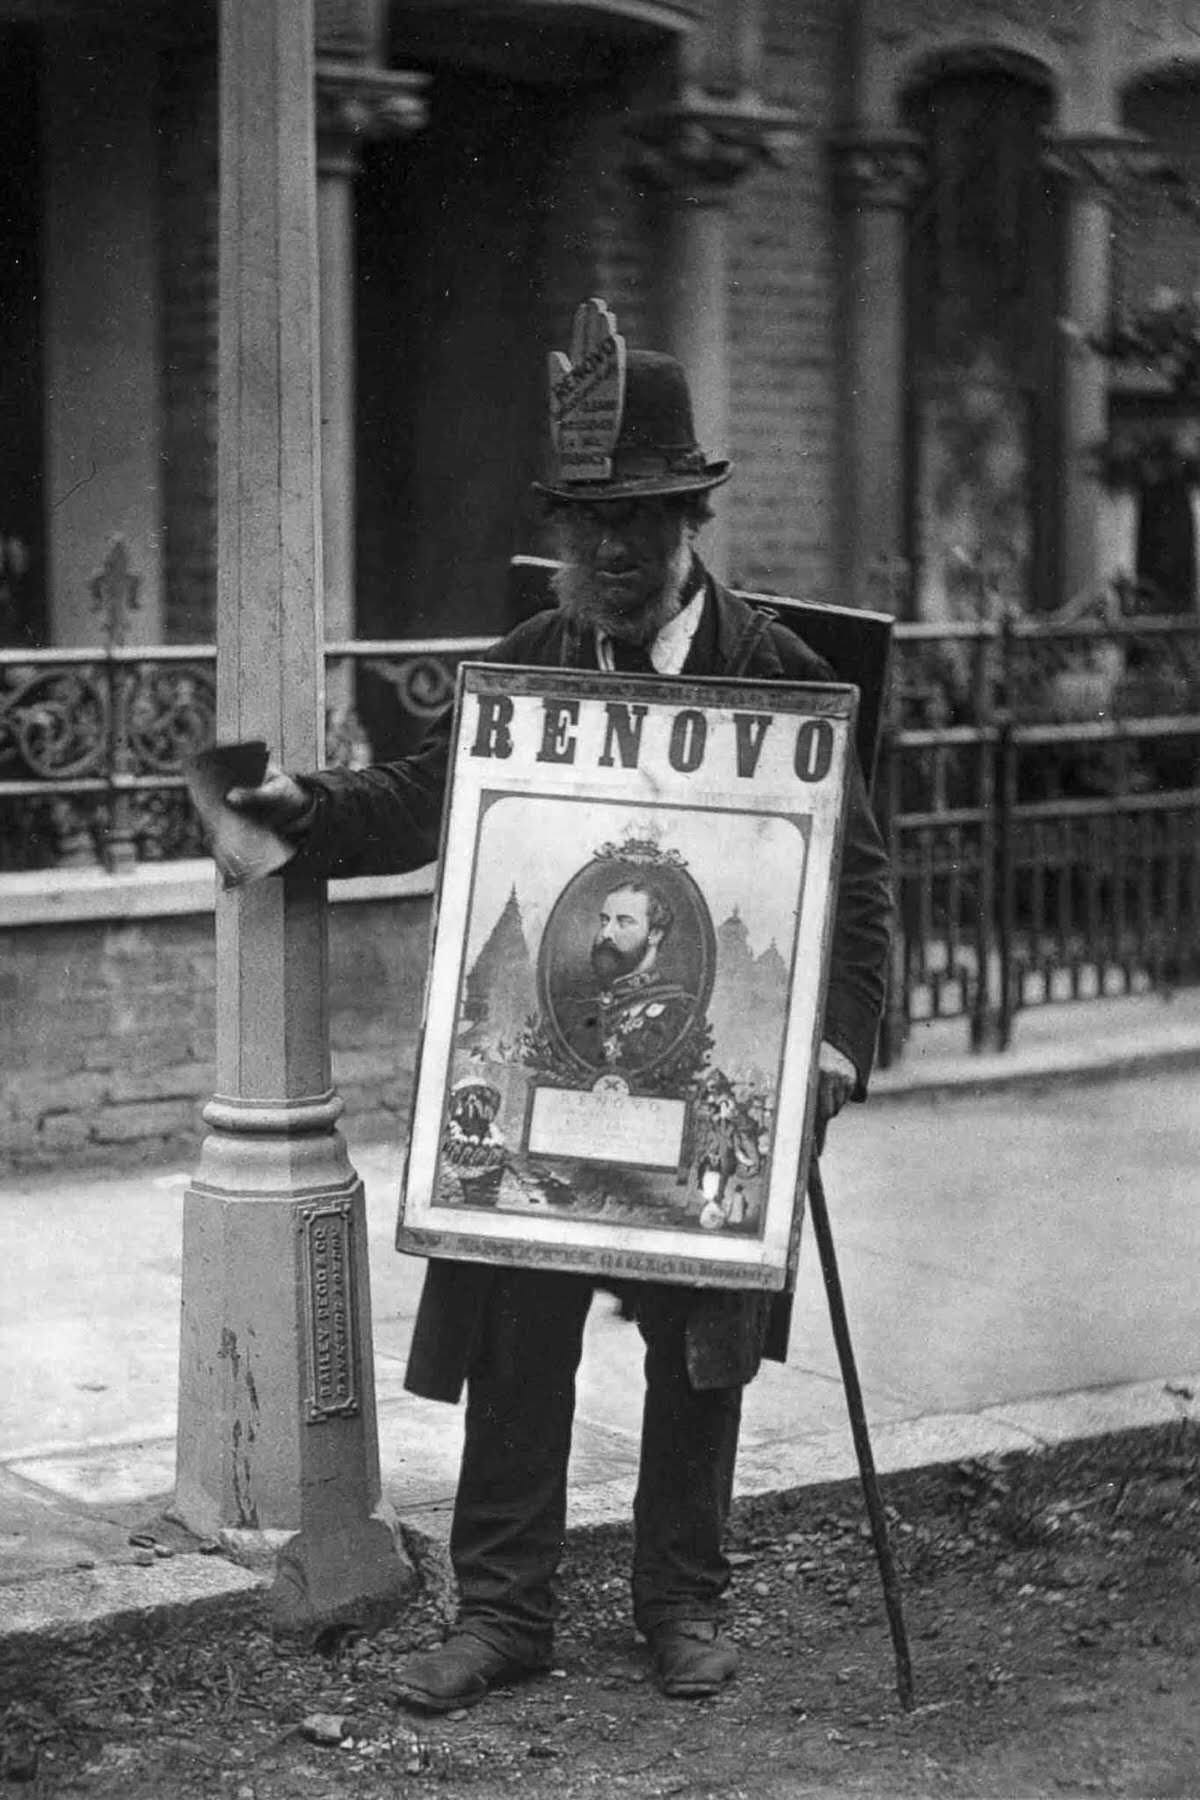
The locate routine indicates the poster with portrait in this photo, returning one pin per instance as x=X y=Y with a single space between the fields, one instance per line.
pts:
x=617 y=1067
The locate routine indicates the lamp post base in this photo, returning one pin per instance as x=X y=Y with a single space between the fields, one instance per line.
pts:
x=277 y=1452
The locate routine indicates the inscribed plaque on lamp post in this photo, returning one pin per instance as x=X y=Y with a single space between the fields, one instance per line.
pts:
x=618 y=1059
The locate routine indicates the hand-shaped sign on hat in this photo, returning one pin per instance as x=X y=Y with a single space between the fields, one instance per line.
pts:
x=621 y=421
x=587 y=393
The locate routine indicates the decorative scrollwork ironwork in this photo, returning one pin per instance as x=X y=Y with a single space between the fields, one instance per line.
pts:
x=119 y=713
x=424 y=683
x=165 y=826
x=54 y=723
x=171 y=715
x=94 y=742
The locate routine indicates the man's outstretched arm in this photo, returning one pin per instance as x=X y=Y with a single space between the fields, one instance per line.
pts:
x=377 y=821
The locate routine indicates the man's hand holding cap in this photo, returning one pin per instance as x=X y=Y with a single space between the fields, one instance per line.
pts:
x=279 y=802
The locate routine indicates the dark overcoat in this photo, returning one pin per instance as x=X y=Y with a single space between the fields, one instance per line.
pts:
x=388 y=818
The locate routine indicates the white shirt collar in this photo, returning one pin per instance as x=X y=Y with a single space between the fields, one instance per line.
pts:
x=669 y=650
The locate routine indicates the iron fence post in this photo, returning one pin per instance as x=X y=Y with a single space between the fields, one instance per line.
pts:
x=1005 y=802
x=893 y=1023
x=114 y=590
x=984 y=1023
x=1006 y=795
x=120 y=839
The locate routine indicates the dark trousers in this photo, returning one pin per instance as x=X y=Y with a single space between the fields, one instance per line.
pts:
x=510 y=1511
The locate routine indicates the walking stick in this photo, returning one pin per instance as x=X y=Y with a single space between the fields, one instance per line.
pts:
x=862 y=1438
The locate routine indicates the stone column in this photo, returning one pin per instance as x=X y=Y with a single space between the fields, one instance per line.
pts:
x=355 y=102
x=1096 y=167
x=693 y=155
x=877 y=177
x=277 y=1440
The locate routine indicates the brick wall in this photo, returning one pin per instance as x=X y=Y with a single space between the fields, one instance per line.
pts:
x=602 y=238
x=109 y=1030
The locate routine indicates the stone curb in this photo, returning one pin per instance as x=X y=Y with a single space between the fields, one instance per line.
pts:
x=54 y=1621
x=53 y=1615
x=971 y=1081
x=53 y=1618
x=71 y=1605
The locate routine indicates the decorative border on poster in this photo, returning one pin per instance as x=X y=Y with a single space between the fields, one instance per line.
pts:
x=568 y=788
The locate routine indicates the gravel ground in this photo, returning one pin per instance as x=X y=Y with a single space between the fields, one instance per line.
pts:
x=1052 y=1602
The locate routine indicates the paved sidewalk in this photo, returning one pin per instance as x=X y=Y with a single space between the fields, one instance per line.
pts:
x=1018 y=1251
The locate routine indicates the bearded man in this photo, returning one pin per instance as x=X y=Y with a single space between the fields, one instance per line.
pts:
x=636 y=1015
x=632 y=593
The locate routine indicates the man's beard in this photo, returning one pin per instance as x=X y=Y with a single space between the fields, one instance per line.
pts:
x=586 y=602
x=610 y=964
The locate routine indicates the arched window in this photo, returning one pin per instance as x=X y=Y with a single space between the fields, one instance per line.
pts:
x=981 y=343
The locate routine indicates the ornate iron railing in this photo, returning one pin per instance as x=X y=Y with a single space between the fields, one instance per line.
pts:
x=91 y=751
x=1040 y=788
x=1039 y=784
x=93 y=741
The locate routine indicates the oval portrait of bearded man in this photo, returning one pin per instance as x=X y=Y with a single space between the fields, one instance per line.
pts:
x=625 y=972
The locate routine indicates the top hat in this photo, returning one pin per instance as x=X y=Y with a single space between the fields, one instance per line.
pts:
x=621 y=422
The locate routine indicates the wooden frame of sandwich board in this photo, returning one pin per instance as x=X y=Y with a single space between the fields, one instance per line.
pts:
x=617 y=1070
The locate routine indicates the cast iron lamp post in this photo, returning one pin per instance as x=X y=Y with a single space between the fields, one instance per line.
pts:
x=277 y=1439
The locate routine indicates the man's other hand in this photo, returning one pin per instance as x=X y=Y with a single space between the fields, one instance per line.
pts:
x=279 y=802
x=837 y=1079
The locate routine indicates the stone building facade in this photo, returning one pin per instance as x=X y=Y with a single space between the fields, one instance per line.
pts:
x=879 y=231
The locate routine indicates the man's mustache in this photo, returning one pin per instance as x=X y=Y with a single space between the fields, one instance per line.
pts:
x=588 y=602
x=636 y=619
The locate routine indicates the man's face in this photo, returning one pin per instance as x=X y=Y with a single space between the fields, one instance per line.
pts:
x=624 y=564
x=625 y=940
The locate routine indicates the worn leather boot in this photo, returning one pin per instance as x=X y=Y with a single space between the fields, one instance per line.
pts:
x=458 y=1673
x=692 y=1658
